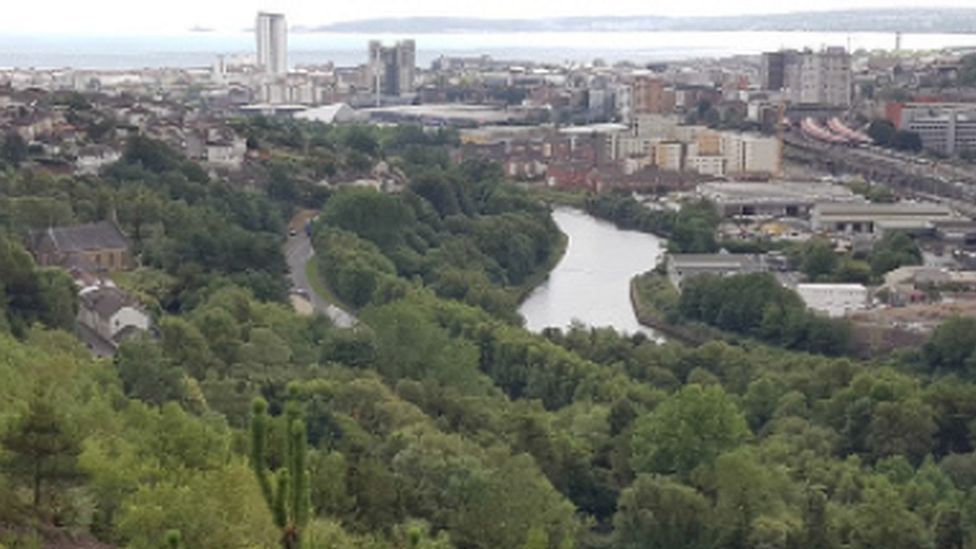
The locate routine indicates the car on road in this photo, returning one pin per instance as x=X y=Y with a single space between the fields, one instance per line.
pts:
x=301 y=292
x=292 y=232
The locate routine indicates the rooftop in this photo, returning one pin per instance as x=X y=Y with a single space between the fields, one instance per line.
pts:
x=710 y=260
x=868 y=208
x=90 y=236
x=784 y=191
x=105 y=300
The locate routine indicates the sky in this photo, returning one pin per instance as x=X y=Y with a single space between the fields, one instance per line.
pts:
x=135 y=17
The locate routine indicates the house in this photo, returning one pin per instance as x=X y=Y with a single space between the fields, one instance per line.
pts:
x=93 y=158
x=100 y=246
x=111 y=314
x=684 y=266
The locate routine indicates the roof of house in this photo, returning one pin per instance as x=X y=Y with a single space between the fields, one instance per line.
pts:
x=88 y=237
x=106 y=300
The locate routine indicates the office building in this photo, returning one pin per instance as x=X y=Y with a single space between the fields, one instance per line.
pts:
x=272 y=40
x=391 y=69
x=945 y=128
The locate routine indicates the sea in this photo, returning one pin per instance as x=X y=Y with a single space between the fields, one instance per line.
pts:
x=200 y=49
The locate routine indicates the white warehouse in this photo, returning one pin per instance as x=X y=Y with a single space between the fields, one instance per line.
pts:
x=834 y=300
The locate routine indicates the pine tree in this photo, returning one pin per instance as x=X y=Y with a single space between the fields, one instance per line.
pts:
x=42 y=450
x=815 y=529
x=288 y=497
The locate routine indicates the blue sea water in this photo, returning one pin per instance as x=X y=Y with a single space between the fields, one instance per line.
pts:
x=200 y=49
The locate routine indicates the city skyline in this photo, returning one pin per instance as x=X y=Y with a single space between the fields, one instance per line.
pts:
x=55 y=16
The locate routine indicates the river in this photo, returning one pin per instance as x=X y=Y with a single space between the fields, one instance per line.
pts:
x=591 y=284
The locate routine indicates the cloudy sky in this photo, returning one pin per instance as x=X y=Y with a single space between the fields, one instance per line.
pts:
x=173 y=16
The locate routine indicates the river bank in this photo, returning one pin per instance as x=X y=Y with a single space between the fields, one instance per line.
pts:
x=652 y=310
x=590 y=283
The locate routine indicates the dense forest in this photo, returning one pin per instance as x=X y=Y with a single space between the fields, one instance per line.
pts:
x=438 y=421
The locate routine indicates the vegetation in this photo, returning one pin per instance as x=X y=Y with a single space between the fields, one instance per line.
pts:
x=884 y=134
x=758 y=306
x=438 y=421
x=820 y=262
x=689 y=230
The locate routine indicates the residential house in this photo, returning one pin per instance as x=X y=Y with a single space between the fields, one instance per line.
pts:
x=111 y=314
x=93 y=158
x=99 y=246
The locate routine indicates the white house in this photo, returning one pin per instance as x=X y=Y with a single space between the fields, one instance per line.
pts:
x=227 y=153
x=93 y=158
x=835 y=300
x=111 y=313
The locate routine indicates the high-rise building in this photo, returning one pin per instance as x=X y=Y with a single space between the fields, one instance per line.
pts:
x=650 y=96
x=391 y=69
x=271 y=33
x=771 y=70
x=822 y=77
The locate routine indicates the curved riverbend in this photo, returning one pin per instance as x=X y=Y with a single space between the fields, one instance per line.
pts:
x=591 y=284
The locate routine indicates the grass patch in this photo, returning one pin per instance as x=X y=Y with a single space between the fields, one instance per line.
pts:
x=654 y=294
x=321 y=287
x=559 y=197
x=541 y=274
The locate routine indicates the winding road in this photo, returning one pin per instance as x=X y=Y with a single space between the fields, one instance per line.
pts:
x=298 y=252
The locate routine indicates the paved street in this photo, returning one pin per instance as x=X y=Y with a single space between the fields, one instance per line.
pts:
x=298 y=252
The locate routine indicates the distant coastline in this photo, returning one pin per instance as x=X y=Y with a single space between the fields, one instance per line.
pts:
x=910 y=20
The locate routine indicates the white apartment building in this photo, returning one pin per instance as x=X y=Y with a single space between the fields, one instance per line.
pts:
x=822 y=77
x=271 y=33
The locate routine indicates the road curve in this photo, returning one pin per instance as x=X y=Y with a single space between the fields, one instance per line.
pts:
x=298 y=252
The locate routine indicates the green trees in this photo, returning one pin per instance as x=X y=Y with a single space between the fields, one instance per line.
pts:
x=146 y=374
x=881 y=131
x=690 y=230
x=14 y=149
x=286 y=492
x=658 y=513
x=29 y=295
x=952 y=347
x=757 y=305
x=42 y=448
x=892 y=251
x=694 y=229
x=819 y=259
x=689 y=429
x=884 y=133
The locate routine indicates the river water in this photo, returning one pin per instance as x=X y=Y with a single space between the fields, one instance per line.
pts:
x=591 y=284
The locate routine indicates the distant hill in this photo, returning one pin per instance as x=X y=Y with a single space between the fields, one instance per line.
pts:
x=911 y=20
